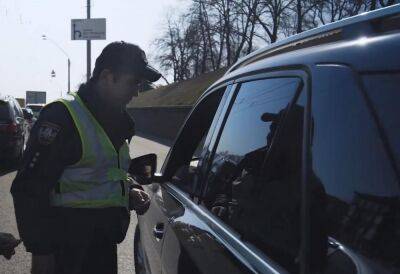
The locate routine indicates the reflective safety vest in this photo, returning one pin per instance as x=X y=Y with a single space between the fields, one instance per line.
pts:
x=99 y=178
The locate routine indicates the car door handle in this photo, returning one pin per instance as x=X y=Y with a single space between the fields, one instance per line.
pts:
x=158 y=231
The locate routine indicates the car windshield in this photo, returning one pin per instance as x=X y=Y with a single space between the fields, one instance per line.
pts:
x=4 y=110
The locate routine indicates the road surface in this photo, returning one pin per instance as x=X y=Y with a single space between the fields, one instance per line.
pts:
x=20 y=263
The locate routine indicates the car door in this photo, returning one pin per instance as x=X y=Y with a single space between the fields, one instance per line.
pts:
x=5 y=119
x=153 y=224
x=223 y=228
x=190 y=243
x=152 y=227
x=355 y=157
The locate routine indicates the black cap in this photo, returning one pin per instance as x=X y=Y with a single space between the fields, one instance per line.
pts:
x=125 y=57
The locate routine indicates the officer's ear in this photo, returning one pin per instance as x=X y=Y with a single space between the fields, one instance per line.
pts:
x=106 y=78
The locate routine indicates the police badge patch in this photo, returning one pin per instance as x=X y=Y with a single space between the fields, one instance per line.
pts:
x=47 y=133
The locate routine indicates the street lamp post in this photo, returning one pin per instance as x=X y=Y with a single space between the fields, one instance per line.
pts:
x=44 y=37
x=53 y=75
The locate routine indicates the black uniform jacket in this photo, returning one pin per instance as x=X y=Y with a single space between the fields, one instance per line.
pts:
x=54 y=144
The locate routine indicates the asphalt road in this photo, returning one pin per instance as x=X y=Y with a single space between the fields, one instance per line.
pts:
x=20 y=262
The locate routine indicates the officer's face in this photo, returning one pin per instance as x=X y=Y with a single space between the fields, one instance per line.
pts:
x=122 y=88
x=126 y=87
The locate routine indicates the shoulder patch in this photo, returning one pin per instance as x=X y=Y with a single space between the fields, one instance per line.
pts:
x=47 y=133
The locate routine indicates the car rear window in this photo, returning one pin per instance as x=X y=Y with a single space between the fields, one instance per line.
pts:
x=383 y=90
x=4 y=111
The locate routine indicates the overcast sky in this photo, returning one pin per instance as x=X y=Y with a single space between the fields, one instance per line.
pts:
x=26 y=61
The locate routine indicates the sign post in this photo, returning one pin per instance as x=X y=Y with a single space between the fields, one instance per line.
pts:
x=35 y=97
x=89 y=48
x=88 y=29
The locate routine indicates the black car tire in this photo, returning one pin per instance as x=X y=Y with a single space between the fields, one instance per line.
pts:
x=140 y=265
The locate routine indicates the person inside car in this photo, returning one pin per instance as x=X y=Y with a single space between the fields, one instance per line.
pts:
x=256 y=183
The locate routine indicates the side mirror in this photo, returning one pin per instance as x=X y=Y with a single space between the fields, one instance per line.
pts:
x=143 y=168
x=27 y=114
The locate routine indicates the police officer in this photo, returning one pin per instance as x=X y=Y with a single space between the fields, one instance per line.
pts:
x=71 y=195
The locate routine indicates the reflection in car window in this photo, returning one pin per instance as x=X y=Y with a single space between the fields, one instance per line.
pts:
x=17 y=111
x=186 y=153
x=384 y=92
x=349 y=157
x=245 y=189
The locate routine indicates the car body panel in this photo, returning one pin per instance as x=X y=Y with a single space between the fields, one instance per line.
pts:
x=351 y=52
x=12 y=144
x=195 y=241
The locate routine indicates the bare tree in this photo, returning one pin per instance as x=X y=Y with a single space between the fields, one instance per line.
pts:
x=216 y=33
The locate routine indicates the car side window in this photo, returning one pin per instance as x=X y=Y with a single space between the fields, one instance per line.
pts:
x=17 y=110
x=355 y=154
x=254 y=180
x=184 y=158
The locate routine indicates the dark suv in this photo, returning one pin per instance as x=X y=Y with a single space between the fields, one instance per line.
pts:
x=288 y=164
x=14 y=130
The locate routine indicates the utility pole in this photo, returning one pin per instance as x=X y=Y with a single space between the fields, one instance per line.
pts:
x=88 y=48
x=69 y=76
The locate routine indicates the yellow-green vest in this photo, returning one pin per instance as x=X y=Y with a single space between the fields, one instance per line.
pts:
x=99 y=179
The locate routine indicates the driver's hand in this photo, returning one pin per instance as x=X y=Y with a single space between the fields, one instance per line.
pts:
x=139 y=201
x=8 y=243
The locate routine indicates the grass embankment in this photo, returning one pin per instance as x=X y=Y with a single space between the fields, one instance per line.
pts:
x=183 y=93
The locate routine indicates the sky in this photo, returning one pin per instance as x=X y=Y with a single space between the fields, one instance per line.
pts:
x=26 y=61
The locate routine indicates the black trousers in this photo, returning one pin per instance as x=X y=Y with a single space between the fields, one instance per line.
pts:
x=86 y=239
x=97 y=257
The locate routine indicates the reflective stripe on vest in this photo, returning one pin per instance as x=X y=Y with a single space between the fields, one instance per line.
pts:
x=99 y=179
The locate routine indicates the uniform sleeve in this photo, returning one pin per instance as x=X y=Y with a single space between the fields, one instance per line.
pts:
x=49 y=150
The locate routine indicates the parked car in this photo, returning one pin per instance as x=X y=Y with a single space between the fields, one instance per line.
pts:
x=36 y=108
x=299 y=162
x=29 y=117
x=14 y=129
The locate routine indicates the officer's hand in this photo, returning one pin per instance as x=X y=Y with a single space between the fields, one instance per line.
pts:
x=43 y=264
x=8 y=243
x=139 y=201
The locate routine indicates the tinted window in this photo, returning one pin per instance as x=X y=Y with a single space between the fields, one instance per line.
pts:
x=17 y=109
x=350 y=159
x=245 y=188
x=188 y=149
x=384 y=92
x=4 y=110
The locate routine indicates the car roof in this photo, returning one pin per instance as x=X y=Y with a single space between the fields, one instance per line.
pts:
x=6 y=98
x=367 y=42
x=350 y=26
